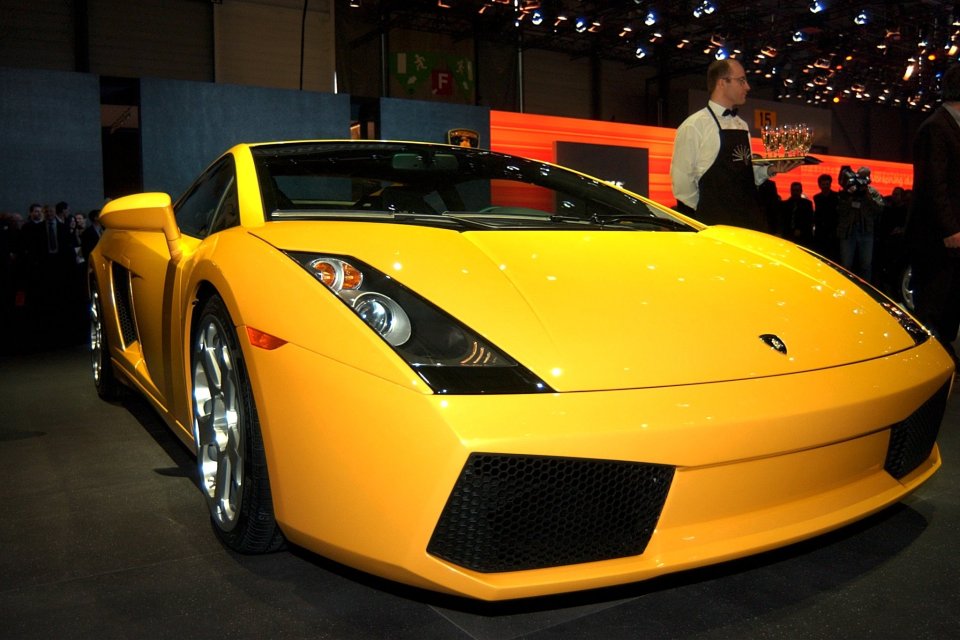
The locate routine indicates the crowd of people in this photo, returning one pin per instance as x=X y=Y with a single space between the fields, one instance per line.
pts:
x=43 y=293
x=854 y=226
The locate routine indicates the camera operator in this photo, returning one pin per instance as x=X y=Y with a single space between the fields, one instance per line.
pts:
x=858 y=208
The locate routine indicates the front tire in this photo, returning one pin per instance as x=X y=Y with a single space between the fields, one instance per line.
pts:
x=906 y=287
x=230 y=458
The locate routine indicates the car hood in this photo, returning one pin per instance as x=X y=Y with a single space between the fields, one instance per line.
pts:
x=594 y=310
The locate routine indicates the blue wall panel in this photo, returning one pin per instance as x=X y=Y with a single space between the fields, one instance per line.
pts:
x=186 y=125
x=49 y=139
x=420 y=121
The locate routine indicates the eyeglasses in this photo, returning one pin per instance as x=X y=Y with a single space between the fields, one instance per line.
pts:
x=741 y=79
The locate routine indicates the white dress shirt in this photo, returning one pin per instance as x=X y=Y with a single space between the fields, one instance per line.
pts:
x=695 y=149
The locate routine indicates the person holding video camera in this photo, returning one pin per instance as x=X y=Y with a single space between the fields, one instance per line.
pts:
x=858 y=208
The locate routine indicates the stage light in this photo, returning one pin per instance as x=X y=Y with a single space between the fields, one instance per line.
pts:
x=355 y=3
x=721 y=54
x=640 y=53
x=580 y=25
x=536 y=18
x=861 y=18
x=769 y=51
x=816 y=6
x=704 y=8
x=627 y=30
x=650 y=19
x=799 y=36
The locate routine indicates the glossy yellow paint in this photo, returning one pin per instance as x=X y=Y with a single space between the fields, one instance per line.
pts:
x=636 y=332
x=754 y=471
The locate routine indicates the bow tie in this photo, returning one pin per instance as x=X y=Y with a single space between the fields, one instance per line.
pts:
x=730 y=112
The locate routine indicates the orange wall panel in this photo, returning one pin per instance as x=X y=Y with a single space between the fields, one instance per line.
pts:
x=534 y=136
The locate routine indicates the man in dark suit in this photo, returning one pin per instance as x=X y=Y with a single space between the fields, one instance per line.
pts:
x=933 y=231
x=798 y=217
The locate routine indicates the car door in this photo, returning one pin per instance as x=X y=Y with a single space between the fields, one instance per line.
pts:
x=156 y=279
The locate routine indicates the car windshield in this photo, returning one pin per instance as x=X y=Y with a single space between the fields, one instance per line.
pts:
x=441 y=185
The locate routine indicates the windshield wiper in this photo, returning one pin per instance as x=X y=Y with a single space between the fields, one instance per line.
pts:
x=614 y=218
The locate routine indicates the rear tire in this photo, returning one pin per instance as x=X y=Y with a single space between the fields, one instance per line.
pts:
x=104 y=377
x=230 y=457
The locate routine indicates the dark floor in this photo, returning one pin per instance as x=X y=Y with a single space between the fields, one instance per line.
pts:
x=104 y=535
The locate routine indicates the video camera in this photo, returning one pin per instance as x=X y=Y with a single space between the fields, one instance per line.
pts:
x=854 y=182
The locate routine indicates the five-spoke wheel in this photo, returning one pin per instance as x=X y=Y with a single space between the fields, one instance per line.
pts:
x=230 y=459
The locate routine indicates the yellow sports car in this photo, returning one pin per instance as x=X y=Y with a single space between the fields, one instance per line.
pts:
x=496 y=377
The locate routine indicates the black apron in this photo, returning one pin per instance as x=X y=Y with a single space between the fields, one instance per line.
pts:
x=728 y=194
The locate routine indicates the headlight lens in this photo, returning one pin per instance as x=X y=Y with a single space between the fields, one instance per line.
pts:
x=450 y=357
x=384 y=316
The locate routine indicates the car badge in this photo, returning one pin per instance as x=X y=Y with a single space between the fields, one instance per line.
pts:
x=774 y=342
x=463 y=138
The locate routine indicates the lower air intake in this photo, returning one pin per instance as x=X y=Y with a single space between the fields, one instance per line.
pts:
x=912 y=440
x=514 y=512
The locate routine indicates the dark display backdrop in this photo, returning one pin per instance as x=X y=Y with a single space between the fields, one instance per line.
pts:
x=629 y=167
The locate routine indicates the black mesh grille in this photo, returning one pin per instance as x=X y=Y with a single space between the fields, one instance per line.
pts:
x=512 y=512
x=121 y=297
x=912 y=440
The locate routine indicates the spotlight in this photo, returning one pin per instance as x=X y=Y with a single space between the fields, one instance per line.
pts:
x=641 y=53
x=704 y=8
x=799 y=36
x=627 y=30
x=721 y=54
x=816 y=6
x=651 y=18
x=580 y=25
x=536 y=18
x=769 y=51
x=861 y=18
x=355 y=4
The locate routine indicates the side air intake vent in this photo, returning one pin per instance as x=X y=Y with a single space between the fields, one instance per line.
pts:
x=514 y=512
x=121 y=297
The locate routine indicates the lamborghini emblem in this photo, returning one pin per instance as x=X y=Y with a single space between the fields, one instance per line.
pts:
x=774 y=342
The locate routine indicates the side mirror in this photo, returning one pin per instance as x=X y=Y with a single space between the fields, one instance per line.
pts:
x=144 y=212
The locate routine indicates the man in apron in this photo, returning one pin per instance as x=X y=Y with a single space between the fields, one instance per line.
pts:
x=712 y=171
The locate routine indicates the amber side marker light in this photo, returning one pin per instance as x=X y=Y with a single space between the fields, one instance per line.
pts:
x=264 y=340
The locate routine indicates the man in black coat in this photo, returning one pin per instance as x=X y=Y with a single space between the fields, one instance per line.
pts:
x=933 y=232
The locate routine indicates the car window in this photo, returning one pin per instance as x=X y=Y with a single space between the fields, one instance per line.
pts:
x=488 y=189
x=196 y=210
x=228 y=213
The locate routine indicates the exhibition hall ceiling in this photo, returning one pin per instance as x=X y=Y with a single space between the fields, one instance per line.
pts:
x=815 y=50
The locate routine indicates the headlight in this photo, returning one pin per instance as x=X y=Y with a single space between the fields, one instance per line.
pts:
x=917 y=331
x=449 y=356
